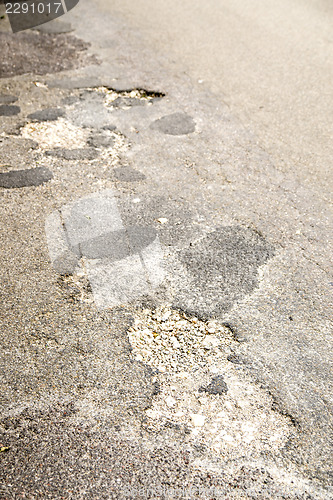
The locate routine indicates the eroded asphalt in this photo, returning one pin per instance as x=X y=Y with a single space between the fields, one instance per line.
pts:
x=166 y=291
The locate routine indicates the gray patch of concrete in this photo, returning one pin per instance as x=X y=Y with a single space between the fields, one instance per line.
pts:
x=25 y=178
x=91 y=216
x=73 y=154
x=7 y=99
x=221 y=268
x=127 y=102
x=64 y=260
x=55 y=26
x=8 y=110
x=127 y=174
x=216 y=386
x=45 y=115
x=174 y=124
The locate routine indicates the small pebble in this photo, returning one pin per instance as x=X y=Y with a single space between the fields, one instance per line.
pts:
x=198 y=420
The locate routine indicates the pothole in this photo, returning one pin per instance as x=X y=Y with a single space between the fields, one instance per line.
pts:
x=204 y=398
x=128 y=98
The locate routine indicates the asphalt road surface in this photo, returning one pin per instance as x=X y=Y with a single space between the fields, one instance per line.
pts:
x=270 y=62
x=166 y=226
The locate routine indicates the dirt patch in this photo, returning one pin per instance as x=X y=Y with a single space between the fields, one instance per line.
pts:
x=40 y=53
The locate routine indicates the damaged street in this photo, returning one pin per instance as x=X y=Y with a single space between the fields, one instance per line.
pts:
x=166 y=250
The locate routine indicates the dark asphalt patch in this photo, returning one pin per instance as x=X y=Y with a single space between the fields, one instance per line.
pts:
x=7 y=99
x=73 y=154
x=101 y=140
x=40 y=53
x=174 y=124
x=216 y=386
x=46 y=115
x=221 y=269
x=128 y=102
x=25 y=178
x=127 y=174
x=8 y=110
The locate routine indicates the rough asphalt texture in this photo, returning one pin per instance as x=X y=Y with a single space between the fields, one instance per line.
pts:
x=245 y=246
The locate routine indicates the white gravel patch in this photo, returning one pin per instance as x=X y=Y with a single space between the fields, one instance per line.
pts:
x=188 y=353
x=54 y=134
x=111 y=95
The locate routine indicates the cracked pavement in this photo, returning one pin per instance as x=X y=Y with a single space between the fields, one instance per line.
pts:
x=166 y=324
